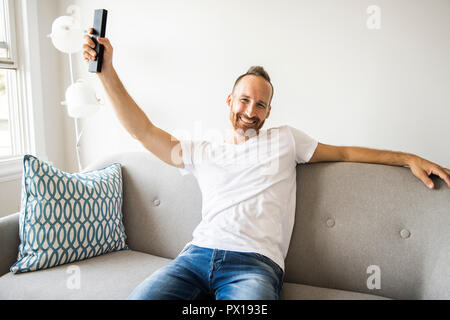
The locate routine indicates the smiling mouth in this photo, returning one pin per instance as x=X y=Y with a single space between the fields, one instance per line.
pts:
x=247 y=121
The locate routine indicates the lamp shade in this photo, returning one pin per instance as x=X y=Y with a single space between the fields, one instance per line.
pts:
x=67 y=35
x=81 y=100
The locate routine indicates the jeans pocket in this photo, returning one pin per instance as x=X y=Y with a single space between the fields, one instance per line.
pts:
x=276 y=268
x=273 y=264
x=186 y=248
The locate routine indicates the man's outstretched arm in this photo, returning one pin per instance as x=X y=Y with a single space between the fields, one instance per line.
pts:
x=420 y=167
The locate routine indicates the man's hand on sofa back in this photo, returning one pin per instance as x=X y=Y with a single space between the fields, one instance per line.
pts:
x=423 y=168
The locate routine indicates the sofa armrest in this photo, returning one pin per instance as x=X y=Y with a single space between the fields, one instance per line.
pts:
x=9 y=241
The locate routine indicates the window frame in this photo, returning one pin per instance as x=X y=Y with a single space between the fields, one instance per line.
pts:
x=10 y=63
x=26 y=112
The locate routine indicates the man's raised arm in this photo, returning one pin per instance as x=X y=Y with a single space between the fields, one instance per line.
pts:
x=133 y=119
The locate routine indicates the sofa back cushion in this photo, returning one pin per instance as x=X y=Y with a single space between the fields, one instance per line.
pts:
x=351 y=219
x=370 y=228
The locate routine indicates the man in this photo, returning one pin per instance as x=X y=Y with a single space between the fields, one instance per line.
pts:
x=248 y=208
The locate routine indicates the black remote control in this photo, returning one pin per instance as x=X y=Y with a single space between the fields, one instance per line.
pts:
x=99 y=31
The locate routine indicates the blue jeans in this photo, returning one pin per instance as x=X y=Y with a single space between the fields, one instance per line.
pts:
x=203 y=274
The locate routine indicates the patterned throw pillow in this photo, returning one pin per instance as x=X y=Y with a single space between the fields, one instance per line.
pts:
x=66 y=217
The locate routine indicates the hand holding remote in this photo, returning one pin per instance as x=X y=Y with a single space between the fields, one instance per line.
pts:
x=90 y=54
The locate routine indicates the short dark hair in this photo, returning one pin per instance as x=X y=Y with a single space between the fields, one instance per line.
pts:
x=257 y=71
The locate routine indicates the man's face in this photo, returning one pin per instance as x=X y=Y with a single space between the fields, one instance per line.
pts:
x=249 y=105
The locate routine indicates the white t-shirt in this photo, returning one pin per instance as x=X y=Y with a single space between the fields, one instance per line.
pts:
x=248 y=190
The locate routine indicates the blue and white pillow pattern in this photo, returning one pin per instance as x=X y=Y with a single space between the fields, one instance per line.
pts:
x=66 y=217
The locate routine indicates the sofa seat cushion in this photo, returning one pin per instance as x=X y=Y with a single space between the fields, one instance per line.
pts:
x=293 y=291
x=110 y=276
x=114 y=275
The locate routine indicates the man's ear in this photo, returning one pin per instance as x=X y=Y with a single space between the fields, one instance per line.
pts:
x=268 y=113
x=229 y=99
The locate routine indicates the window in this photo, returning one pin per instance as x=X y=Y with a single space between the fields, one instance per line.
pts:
x=8 y=79
x=21 y=104
x=5 y=139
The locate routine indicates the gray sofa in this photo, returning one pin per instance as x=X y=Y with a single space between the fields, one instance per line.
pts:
x=349 y=216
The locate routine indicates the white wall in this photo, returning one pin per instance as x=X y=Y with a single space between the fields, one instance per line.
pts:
x=53 y=86
x=334 y=78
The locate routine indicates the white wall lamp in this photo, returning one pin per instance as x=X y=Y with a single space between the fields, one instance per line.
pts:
x=81 y=100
